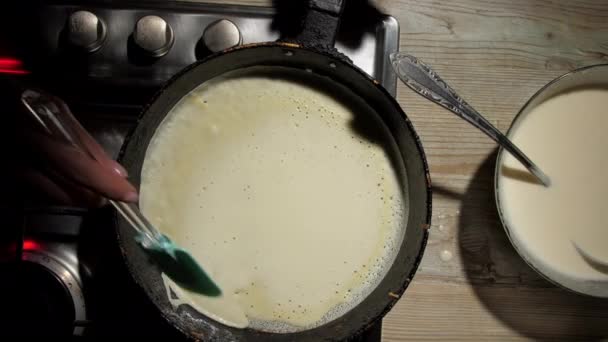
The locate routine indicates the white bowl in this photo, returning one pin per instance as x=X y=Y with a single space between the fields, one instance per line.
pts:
x=596 y=75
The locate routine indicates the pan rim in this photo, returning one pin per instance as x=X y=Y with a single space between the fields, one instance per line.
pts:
x=393 y=296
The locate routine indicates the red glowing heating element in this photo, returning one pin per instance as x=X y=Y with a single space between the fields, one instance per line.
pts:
x=29 y=245
x=9 y=65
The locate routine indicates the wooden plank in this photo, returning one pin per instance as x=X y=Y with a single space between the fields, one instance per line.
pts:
x=433 y=310
x=496 y=54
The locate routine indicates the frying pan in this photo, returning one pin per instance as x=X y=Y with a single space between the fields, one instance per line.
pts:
x=312 y=49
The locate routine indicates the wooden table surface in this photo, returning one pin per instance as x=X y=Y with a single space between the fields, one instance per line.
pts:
x=472 y=285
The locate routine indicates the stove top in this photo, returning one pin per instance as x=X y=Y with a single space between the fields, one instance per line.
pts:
x=106 y=60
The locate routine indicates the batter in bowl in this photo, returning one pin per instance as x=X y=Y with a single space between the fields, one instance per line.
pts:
x=566 y=136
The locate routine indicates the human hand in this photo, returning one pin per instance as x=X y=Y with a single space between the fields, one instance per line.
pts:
x=63 y=161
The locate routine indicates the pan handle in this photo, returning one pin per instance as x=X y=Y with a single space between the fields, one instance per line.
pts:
x=320 y=24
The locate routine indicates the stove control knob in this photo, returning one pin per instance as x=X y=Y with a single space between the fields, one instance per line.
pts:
x=86 y=31
x=153 y=36
x=220 y=35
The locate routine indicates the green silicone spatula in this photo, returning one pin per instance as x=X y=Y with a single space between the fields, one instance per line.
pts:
x=55 y=118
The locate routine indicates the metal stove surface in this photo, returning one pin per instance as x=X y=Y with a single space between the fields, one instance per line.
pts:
x=110 y=116
x=193 y=31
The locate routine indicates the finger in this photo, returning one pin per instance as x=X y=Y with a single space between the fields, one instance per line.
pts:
x=87 y=140
x=79 y=195
x=37 y=181
x=59 y=190
x=79 y=167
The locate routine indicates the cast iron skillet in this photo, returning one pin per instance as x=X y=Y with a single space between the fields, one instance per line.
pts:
x=313 y=50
